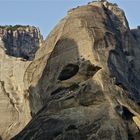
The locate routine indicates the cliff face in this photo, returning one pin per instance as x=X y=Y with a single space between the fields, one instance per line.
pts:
x=14 y=106
x=20 y=41
x=82 y=85
x=85 y=82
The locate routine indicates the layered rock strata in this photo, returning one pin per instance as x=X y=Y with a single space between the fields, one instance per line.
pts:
x=84 y=84
x=14 y=105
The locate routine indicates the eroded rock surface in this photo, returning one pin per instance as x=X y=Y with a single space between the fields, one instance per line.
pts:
x=84 y=84
x=14 y=105
x=20 y=41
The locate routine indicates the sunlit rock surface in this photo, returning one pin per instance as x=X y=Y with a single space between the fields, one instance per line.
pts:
x=84 y=82
x=14 y=105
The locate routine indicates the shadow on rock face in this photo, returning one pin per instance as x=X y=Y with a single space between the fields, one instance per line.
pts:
x=124 y=112
x=70 y=95
x=122 y=68
x=62 y=74
x=73 y=99
x=62 y=64
x=121 y=63
x=68 y=71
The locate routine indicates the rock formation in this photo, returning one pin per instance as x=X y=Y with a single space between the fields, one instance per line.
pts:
x=20 y=41
x=14 y=106
x=84 y=83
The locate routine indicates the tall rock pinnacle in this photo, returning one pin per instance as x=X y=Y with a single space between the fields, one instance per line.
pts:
x=84 y=84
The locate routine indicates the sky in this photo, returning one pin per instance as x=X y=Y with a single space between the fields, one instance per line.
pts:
x=45 y=14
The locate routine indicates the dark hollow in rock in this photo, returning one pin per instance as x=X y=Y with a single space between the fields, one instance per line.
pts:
x=57 y=133
x=71 y=127
x=91 y=70
x=57 y=91
x=68 y=71
x=120 y=84
x=130 y=136
x=124 y=112
x=63 y=90
x=127 y=115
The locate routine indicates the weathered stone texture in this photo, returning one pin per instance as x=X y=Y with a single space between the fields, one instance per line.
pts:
x=20 y=41
x=84 y=83
x=14 y=104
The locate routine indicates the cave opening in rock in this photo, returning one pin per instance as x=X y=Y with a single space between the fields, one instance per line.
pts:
x=68 y=71
x=127 y=115
x=91 y=70
x=124 y=112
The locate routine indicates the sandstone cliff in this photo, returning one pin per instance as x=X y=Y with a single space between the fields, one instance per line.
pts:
x=84 y=84
x=14 y=106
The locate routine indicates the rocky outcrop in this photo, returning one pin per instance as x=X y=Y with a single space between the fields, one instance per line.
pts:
x=20 y=41
x=15 y=43
x=84 y=84
x=14 y=106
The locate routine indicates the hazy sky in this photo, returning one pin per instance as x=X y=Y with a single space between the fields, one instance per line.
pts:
x=45 y=14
